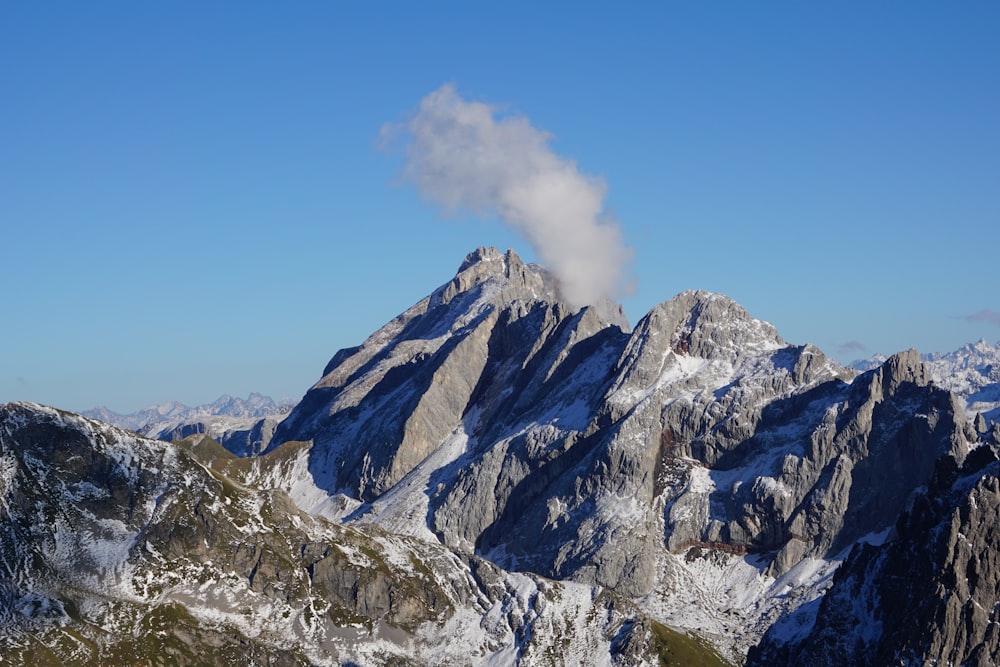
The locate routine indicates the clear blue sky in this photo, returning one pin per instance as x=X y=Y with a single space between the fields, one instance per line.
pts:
x=193 y=201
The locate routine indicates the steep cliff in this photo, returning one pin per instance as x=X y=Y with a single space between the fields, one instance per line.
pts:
x=927 y=595
x=492 y=418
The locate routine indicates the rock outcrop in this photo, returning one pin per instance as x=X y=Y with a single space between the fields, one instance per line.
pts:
x=926 y=596
x=971 y=372
x=242 y=436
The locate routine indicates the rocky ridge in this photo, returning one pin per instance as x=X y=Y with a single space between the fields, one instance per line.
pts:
x=972 y=372
x=928 y=595
x=124 y=550
x=493 y=418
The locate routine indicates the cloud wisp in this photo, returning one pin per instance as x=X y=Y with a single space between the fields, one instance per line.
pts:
x=852 y=346
x=463 y=155
x=985 y=316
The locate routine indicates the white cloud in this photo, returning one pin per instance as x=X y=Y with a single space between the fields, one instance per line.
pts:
x=852 y=346
x=463 y=156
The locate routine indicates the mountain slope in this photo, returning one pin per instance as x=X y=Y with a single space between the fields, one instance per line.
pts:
x=494 y=419
x=540 y=481
x=927 y=596
x=121 y=550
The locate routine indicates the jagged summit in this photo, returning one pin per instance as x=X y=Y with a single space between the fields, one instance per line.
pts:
x=969 y=354
x=159 y=416
x=707 y=324
x=486 y=254
x=412 y=381
x=511 y=279
x=496 y=420
x=502 y=277
x=972 y=372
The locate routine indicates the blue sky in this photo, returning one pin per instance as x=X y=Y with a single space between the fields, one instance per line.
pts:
x=193 y=200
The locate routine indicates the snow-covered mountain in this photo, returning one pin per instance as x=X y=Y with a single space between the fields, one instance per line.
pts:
x=699 y=464
x=243 y=426
x=495 y=477
x=972 y=372
x=116 y=549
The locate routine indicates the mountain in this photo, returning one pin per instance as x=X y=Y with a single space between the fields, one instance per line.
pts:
x=698 y=464
x=496 y=477
x=157 y=417
x=927 y=596
x=243 y=426
x=972 y=372
x=118 y=549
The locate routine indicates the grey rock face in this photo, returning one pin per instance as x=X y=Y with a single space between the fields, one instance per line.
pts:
x=382 y=408
x=813 y=471
x=117 y=549
x=972 y=372
x=557 y=442
x=928 y=596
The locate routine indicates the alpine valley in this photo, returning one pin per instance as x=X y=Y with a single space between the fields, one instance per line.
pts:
x=495 y=478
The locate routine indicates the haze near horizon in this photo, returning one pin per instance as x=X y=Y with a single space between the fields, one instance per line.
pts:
x=198 y=201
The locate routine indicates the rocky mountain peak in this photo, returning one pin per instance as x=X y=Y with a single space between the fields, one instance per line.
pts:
x=500 y=277
x=716 y=322
x=507 y=279
x=900 y=368
x=968 y=355
x=483 y=255
x=710 y=326
x=983 y=346
x=497 y=317
x=906 y=366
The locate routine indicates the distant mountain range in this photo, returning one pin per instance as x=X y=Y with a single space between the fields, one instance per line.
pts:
x=243 y=426
x=253 y=407
x=497 y=478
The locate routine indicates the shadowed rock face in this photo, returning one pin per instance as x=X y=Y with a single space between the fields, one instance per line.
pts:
x=929 y=596
x=382 y=408
x=559 y=442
